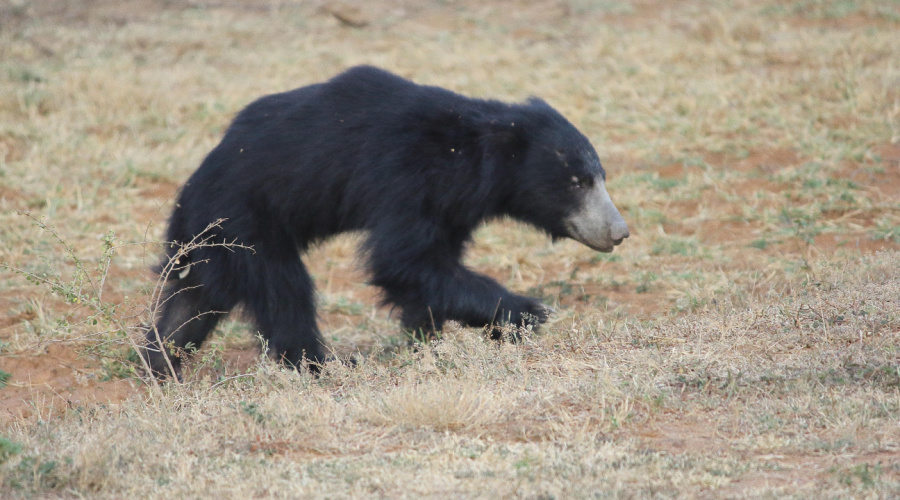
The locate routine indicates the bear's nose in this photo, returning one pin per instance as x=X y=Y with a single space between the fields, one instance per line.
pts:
x=619 y=231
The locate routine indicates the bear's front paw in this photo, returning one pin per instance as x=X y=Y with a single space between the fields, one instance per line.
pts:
x=523 y=312
x=534 y=313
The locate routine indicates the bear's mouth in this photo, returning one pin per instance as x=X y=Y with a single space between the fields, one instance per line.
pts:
x=602 y=249
x=605 y=247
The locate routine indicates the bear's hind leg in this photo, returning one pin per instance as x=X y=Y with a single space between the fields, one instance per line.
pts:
x=188 y=315
x=280 y=295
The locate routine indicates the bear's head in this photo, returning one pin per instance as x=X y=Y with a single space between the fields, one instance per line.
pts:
x=557 y=181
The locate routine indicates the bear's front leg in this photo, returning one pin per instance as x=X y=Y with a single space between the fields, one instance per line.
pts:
x=467 y=297
x=518 y=310
x=419 y=267
x=429 y=296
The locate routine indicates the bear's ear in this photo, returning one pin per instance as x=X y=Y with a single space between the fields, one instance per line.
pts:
x=504 y=139
x=537 y=102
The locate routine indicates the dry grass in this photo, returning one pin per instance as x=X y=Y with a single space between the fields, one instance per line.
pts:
x=742 y=343
x=709 y=402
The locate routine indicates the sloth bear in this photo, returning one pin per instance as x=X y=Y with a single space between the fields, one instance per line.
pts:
x=417 y=168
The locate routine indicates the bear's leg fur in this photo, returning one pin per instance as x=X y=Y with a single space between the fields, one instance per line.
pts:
x=188 y=315
x=458 y=294
x=280 y=294
x=428 y=281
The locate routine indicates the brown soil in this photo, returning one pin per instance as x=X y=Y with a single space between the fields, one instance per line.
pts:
x=55 y=378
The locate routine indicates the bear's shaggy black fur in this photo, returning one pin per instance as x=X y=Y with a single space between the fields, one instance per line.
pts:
x=417 y=168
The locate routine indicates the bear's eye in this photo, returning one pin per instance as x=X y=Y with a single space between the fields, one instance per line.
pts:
x=582 y=183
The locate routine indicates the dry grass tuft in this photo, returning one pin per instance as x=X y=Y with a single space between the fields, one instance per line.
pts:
x=440 y=404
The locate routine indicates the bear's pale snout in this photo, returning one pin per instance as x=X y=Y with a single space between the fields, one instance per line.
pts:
x=598 y=223
x=618 y=232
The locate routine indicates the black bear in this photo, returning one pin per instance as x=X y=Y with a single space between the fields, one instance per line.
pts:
x=416 y=167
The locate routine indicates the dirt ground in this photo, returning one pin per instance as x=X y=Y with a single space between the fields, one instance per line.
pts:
x=53 y=377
